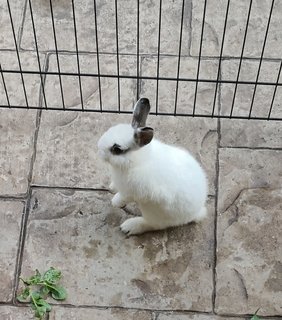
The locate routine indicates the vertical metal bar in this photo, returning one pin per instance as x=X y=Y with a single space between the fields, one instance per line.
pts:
x=97 y=51
x=5 y=88
x=241 y=58
x=57 y=55
x=179 y=57
x=17 y=50
x=138 y=36
x=220 y=56
x=158 y=62
x=37 y=53
x=261 y=57
x=200 y=53
x=77 y=55
x=117 y=45
x=274 y=92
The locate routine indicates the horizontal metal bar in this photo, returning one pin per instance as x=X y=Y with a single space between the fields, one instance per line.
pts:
x=51 y=73
x=151 y=113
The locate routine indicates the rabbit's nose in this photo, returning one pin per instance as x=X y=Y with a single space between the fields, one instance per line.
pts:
x=144 y=101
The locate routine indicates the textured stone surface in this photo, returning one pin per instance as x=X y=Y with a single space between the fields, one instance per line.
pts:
x=243 y=99
x=15 y=86
x=6 y=35
x=110 y=270
x=10 y=222
x=15 y=313
x=235 y=28
x=179 y=316
x=106 y=20
x=97 y=314
x=186 y=90
x=90 y=86
x=67 y=146
x=16 y=148
x=251 y=134
x=249 y=240
x=241 y=169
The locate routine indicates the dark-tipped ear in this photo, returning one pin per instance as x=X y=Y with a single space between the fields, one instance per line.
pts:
x=140 y=113
x=143 y=136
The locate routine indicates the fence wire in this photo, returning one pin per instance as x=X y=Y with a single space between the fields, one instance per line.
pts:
x=124 y=51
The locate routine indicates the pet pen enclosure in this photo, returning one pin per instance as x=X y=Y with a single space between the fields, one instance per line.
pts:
x=204 y=58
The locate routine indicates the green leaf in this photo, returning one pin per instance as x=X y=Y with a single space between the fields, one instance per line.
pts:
x=36 y=295
x=35 y=279
x=52 y=275
x=24 y=295
x=43 y=303
x=40 y=312
x=255 y=317
x=58 y=293
x=44 y=291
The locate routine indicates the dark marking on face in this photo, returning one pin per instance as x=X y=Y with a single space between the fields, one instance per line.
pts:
x=117 y=150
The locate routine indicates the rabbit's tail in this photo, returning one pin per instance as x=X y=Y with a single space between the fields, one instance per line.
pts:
x=201 y=214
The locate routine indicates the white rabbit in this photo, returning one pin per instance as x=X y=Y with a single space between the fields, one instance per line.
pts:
x=167 y=183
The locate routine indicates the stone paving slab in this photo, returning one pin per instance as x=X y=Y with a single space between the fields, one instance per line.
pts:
x=14 y=84
x=111 y=270
x=251 y=134
x=67 y=146
x=16 y=148
x=97 y=314
x=264 y=93
x=6 y=36
x=235 y=29
x=186 y=90
x=15 y=313
x=246 y=169
x=90 y=85
x=10 y=225
x=249 y=240
x=106 y=20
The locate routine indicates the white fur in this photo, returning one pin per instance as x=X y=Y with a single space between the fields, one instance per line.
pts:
x=167 y=183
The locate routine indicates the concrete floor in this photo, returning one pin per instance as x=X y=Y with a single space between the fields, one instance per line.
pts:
x=54 y=202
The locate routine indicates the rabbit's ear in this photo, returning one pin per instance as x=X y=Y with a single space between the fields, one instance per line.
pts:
x=140 y=113
x=143 y=136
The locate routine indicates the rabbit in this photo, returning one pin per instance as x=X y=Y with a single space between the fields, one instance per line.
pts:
x=167 y=183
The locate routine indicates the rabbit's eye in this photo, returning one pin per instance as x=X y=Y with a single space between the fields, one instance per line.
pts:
x=116 y=149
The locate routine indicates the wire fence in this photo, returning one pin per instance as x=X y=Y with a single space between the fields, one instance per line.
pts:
x=204 y=58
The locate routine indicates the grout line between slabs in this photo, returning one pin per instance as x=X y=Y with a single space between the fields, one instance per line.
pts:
x=216 y=200
x=29 y=193
x=21 y=27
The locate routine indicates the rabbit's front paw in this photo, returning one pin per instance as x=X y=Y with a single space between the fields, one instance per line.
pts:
x=135 y=225
x=118 y=201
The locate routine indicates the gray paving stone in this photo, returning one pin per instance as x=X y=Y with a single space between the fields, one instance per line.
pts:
x=90 y=85
x=10 y=224
x=106 y=20
x=246 y=169
x=186 y=90
x=67 y=146
x=78 y=232
x=243 y=100
x=235 y=29
x=14 y=85
x=16 y=148
x=6 y=36
x=97 y=314
x=179 y=316
x=15 y=313
x=249 y=241
x=251 y=134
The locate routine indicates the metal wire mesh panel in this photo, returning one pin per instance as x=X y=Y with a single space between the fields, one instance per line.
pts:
x=204 y=58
